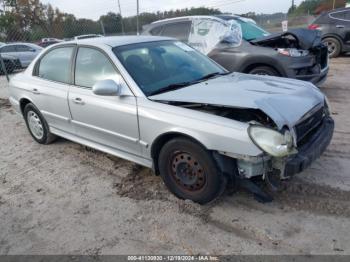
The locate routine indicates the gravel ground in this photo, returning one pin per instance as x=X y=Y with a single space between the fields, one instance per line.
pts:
x=65 y=199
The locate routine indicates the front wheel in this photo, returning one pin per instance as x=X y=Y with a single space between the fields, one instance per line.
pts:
x=189 y=171
x=37 y=125
x=333 y=45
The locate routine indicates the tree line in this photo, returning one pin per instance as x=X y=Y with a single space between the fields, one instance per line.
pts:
x=31 y=20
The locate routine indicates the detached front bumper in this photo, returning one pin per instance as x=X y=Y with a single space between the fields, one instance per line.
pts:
x=312 y=150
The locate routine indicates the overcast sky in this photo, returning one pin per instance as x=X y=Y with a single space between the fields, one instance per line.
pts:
x=94 y=8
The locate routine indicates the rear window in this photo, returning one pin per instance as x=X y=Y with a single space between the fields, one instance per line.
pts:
x=180 y=31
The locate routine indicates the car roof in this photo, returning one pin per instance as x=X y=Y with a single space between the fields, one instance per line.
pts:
x=114 y=41
x=222 y=17
x=339 y=9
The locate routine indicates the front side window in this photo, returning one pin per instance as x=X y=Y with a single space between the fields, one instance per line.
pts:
x=23 y=48
x=56 y=65
x=157 y=66
x=93 y=66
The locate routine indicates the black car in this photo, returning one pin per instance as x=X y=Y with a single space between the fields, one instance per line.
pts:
x=295 y=54
x=335 y=28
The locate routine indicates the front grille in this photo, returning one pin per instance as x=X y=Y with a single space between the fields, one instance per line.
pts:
x=309 y=125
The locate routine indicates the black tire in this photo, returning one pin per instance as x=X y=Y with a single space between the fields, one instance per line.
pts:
x=201 y=181
x=30 y=112
x=333 y=45
x=264 y=70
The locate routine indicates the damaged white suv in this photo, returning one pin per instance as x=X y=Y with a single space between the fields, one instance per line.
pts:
x=161 y=104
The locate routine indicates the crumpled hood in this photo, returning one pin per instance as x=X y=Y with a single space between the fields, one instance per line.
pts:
x=284 y=100
x=306 y=38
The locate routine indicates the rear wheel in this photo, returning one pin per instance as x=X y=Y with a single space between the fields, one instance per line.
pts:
x=189 y=171
x=37 y=125
x=333 y=45
x=263 y=70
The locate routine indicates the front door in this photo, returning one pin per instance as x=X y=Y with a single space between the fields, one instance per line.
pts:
x=107 y=120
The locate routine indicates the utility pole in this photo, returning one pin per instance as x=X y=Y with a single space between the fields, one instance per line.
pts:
x=333 y=4
x=121 y=17
x=137 y=17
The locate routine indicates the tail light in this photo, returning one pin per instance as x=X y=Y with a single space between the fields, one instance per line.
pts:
x=314 y=27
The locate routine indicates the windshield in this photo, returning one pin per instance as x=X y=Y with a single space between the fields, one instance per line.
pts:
x=251 y=31
x=162 y=65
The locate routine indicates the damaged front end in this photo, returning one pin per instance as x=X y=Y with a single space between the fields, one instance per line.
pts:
x=286 y=152
x=302 y=50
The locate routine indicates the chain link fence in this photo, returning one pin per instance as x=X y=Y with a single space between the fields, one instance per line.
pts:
x=27 y=26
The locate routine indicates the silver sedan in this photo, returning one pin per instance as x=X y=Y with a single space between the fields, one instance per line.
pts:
x=158 y=102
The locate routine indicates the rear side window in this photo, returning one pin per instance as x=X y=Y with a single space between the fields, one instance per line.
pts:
x=8 y=49
x=93 y=66
x=180 y=31
x=56 y=65
x=340 y=15
x=347 y=15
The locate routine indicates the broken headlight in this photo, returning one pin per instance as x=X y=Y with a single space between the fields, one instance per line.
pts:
x=272 y=142
x=293 y=52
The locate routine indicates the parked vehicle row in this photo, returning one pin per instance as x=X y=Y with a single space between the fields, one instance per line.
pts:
x=24 y=52
x=20 y=55
x=242 y=46
x=335 y=28
x=164 y=105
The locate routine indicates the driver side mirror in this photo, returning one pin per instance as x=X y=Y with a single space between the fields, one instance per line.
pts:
x=107 y=88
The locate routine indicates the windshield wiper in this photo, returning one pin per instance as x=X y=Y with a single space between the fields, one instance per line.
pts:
x=184 y=84
x=206 y=77
x=171 y=88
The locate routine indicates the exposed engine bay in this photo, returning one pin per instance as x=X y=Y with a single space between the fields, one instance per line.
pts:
x=295 y=38
x=244 y=115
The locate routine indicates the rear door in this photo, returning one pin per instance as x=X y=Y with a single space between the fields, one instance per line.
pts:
x=178 y=30
x=347 y=27
x=107 y=120
x=341 y=24
x=52 y=78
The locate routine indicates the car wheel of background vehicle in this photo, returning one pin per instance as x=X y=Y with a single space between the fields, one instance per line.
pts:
x=189 y=171
x=333 y=45
x=264 y=70
x=37 y=125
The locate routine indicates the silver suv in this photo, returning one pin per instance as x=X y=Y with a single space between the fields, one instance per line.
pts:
x=158 y=102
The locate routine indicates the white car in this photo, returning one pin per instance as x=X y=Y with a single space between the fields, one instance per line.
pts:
x=25 y=52
x=164 y=105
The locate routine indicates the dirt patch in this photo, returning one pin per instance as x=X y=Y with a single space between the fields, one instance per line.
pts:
x=142 y=184
x=5 y=103
x=321 y=199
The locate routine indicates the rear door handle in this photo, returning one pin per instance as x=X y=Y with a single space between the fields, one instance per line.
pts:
x=78 y=101
x=35 y=91
x=340 y=26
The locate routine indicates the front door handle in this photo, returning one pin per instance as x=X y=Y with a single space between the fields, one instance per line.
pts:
x=35 y=91
x=340 y=26
x=78 y=101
